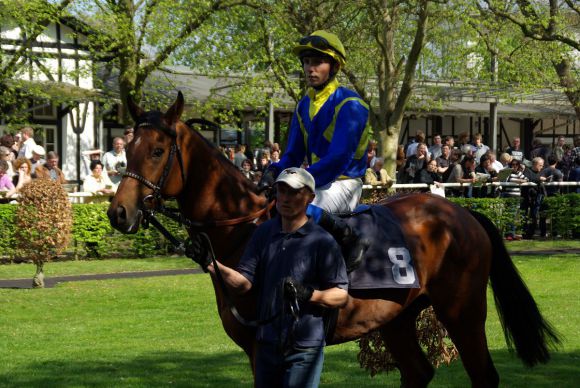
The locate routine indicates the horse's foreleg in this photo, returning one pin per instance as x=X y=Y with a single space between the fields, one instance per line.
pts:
x=401 y=339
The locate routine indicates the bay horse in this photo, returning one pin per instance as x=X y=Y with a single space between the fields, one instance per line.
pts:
x=455 y=253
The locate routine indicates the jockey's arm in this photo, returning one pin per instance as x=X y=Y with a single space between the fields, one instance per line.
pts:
x=232 y=278
x=330 y=298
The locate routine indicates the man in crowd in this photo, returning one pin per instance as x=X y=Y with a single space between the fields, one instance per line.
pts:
x=28 y=143
x=240 y=155
x=294 y=262
x=532 y=196
x=443 y=161
x=478 y=148
x=435 y=149
x=515 y=150
x=450 y=141
x=115 y=161
x=37 y=158
x=50 y=169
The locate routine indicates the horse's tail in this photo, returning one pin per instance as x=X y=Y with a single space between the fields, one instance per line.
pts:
x=523 y=324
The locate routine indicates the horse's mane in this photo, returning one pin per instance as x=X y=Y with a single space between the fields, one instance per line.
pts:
x=219 y=156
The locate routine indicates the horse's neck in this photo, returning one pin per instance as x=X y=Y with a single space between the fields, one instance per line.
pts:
x=216 y=191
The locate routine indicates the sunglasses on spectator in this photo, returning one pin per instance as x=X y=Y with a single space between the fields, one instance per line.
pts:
x=318 y=42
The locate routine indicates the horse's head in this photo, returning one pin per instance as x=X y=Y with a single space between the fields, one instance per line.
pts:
x=155 y=164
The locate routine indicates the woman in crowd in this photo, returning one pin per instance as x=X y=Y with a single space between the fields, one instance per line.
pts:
x=429 y=174
x=275 y=157
x=7 y=155
x=401 y=160
x=377 y=175
x=97 y=182
x=247 y=169
x=264 y=161
x=5 y=180
x=22 y=177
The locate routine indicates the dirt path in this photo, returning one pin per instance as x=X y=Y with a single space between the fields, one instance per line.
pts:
x=51 y=282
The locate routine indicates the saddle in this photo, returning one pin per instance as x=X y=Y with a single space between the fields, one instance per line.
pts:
x=387 y=263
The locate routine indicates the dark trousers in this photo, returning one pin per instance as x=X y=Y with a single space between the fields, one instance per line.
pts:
x=300 y=367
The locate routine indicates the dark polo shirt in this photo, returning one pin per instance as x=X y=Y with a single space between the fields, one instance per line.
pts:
x=311 y=256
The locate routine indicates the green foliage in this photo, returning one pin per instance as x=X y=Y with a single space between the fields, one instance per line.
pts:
x=7 y=239
x=563 y=211
x=93 y=237
x=499 y=210
x=91 y=228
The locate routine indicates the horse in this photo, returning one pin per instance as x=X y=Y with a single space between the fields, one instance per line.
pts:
x=455 y=253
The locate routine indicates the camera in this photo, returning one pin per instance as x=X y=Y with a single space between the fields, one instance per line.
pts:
x=121 y=167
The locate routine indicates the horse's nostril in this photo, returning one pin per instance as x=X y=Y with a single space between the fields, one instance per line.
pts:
x=121 y=215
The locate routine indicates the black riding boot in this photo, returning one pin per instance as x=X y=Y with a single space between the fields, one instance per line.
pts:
x=353 y=244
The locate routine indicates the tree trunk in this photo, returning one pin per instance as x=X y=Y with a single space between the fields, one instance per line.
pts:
x=388 y=149
x=570 y=84
x=38 y=280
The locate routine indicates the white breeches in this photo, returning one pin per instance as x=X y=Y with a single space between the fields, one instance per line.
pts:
x=340 y=196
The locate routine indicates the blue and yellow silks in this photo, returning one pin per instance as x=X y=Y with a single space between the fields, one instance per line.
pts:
x=330 y=128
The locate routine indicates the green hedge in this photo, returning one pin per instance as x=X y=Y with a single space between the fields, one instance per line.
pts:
x=93 y=236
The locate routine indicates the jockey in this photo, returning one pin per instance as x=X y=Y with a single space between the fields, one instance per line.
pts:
x=330 y=131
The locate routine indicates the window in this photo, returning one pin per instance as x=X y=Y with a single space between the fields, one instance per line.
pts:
x=43 y=109
x=46 y=136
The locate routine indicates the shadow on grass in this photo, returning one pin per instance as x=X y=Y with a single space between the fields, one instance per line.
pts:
x=563 y=370
x=175 y=369
x=196 y=369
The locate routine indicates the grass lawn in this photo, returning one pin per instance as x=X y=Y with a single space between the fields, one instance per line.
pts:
x=165 y=331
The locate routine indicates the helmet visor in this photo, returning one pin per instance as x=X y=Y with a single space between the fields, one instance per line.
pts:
x=318 y=42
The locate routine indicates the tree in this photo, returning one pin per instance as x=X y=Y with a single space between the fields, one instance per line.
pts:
x=136 y=37
x=384 y=41
x=31 y=17
x=555 y=23
x=43 y=223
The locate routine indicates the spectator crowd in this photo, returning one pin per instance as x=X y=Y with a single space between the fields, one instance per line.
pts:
x=442 y=160
x=22 y=161
x=474 y=164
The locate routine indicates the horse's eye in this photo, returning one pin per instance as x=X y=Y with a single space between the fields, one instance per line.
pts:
x=157 y=152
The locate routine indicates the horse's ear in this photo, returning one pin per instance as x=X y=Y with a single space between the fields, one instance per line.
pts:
x=174 y=112
x=134 y=109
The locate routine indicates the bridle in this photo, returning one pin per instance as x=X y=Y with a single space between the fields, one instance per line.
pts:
x=174 y=151
x=157 y=198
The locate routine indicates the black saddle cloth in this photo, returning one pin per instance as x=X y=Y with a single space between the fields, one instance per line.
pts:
x=387 y=263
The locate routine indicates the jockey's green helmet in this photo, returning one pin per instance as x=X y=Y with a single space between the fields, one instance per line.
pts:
x=323 y=42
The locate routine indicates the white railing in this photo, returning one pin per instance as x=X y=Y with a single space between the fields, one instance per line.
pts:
x=426 y=186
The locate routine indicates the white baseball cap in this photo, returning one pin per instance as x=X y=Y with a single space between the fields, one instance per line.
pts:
x=296 y=178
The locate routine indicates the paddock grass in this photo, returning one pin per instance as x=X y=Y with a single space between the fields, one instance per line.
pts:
x=160 y=332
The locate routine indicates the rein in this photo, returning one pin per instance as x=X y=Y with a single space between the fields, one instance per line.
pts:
x=175 y=214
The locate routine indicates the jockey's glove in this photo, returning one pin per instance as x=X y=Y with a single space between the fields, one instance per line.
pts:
x=294 y=290
x=196 y=249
